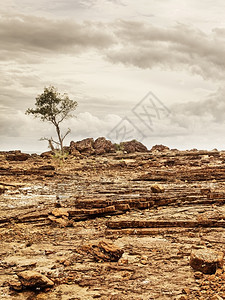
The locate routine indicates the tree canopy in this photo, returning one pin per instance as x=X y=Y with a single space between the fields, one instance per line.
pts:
x=53 y=107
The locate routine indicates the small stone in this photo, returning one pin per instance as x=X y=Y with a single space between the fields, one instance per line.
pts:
x=67 y=263
x=2 y=189
x=15 y=284
x=33 y=279
x=144 y=260
x=219 y=272
x=198 y=275
x=63 y=222
x=212 y=277
x=157 y=188
x=183 y=297
x=29 y=243
x=206 y=260
x=186 y=291
x=123 y=261
x=60 y=212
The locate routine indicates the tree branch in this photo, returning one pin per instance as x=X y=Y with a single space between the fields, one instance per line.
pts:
x=68 y=131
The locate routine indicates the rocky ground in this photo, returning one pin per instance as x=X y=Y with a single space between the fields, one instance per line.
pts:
x=111 y=226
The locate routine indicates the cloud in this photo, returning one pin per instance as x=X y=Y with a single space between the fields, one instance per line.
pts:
x=147 y=46
x=22 y=35
x=92 y=126
x=29 y=38
x=211 y=109
x=105 y=65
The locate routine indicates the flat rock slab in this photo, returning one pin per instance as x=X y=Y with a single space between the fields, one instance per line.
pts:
x=206 y=260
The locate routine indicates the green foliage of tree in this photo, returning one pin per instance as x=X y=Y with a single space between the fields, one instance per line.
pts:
x=53 y=107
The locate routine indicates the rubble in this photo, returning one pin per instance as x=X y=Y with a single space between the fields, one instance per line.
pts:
x=15 y=284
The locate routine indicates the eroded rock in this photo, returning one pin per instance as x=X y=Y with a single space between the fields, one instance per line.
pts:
x=102 y=145
x=157 y=188
x=104 y=251
x=2 y=189
x=85 y=146
x=17 y=156
x=73 y=150
x=63 y=221
x=133 y=146
x=33 y=279
x=206 y=260
x=15 y=284
x=160 y=148
x=47 y=154
x=60 y=212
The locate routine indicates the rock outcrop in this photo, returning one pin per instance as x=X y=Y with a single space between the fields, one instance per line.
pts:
x=102 y=146
x=47 y=154
x=82 y=147
x=88 y=147
x=85 y=146
x=133 y=146
x=17 y=156
x=159 y=148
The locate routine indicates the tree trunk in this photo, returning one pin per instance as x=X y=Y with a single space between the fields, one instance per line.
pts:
x=60 y=139
x=51 y=145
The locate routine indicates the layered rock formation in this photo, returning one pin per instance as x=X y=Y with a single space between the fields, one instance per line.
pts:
x=101 y=145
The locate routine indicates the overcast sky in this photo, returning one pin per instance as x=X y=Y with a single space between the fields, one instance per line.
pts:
x=152 y=70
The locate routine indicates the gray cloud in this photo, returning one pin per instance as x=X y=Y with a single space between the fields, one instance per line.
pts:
x=70 y=51
x=22 y=34
x=146 y=46
x=212 y=108
x=27 y=38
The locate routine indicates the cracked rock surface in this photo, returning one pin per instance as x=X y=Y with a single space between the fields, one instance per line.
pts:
x=113 y=226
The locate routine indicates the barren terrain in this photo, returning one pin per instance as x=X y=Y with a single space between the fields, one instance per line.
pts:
x=51 y=211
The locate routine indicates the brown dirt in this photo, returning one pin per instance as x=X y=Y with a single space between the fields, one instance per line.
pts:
x=109 y=197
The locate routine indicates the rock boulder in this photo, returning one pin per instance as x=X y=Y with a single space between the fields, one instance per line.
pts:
x=84 y=147
x=133 y=146
x=157 y=188
x=17 y=156
x=33 y=279
x=104 y=251
x=160 y=148
x=102 y=145
x=206 y=260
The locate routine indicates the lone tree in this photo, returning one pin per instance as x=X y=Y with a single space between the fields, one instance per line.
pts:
x=53 y=107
